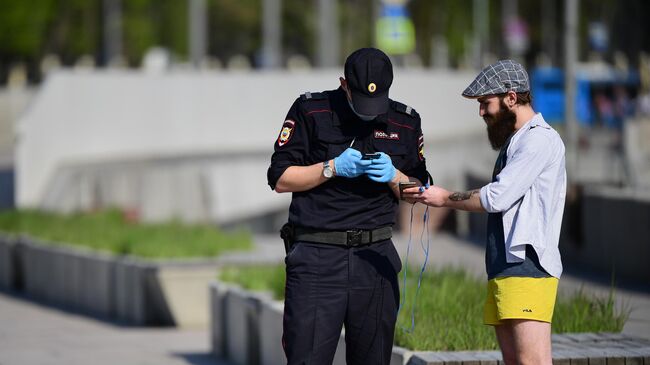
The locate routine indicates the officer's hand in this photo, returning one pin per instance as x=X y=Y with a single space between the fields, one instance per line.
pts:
x=381 y=169
x=350 y=164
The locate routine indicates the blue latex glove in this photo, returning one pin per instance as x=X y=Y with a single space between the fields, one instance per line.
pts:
x=350 y=164
x=382 y=169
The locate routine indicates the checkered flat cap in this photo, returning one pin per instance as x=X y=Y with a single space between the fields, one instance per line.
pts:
x=499 y=78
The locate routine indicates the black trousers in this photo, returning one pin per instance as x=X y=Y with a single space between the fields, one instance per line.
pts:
x=330 y=286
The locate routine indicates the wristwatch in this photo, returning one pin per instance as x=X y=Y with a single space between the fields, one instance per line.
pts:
x=328 y=173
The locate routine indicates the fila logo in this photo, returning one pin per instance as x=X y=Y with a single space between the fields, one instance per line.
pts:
x=384 y=135
x=528 y=310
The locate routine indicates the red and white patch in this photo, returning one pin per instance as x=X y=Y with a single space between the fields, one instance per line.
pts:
x=386 y=135
x=286 y=132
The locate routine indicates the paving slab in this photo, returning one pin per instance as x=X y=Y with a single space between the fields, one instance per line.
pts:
x=37 y=334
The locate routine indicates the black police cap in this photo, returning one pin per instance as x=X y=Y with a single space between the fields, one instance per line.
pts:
x=369 y=75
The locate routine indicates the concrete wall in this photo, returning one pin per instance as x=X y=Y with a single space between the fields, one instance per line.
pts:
x=6 y=188
x=220 y=188
x=90 y=118
x=616 y=232
x=13 y=102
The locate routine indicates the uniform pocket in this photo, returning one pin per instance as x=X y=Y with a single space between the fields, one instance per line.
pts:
x=333 y=142
x=290 y=257
x=392 y=148
x=395 y=149
x=394 y=258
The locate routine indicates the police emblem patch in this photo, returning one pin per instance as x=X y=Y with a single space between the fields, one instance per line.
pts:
x=286 y=132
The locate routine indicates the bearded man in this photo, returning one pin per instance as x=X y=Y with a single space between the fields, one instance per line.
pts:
x=525 y=203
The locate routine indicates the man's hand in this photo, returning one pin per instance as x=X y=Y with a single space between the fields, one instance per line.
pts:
x=433 y=196
x=436 y=196
x=350 y=164
x=382 y=169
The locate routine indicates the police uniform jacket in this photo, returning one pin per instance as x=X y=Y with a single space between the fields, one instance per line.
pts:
x=319 y=127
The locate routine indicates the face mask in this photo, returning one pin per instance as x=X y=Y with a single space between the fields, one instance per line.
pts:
x=365 y=118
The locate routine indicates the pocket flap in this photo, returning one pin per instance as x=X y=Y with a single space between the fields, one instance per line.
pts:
x=392 y=148
x=331 y=136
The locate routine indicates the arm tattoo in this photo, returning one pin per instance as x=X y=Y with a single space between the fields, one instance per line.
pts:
x=462 y=196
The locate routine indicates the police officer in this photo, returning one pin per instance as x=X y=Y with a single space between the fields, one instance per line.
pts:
x=342 y=153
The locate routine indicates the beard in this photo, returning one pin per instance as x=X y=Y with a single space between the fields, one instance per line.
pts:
x=500 y=125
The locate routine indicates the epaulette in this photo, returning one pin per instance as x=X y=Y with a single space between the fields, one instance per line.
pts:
x=313 y=96
x=403 y=108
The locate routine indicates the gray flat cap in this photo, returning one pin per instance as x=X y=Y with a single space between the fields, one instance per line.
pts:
x=499 y=78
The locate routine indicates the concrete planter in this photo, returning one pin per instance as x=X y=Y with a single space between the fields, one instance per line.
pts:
x=70 y=277
x=179 y=292
x=218 y=337
x=134 y=291
x=7 y=263
x=130 y=300
x=241 y=326
x=400 y=356
x=247 y=327
x=270 y=333
x=339 y=355
x=456 y=357
x=32 y=270
x=96 y=284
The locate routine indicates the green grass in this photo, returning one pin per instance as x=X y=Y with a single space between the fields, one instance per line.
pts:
x=451 y=303
x=257 y=278
x=449 y=313
x=584 y=313
x=449 y=310
x=110 y=231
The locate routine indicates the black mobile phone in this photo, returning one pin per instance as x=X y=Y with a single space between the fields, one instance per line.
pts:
x=405 y=185
x=371 y=156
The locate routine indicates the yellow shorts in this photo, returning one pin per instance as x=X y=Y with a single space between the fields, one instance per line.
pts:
x=520 y=298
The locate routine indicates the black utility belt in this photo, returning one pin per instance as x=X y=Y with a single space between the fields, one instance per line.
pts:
x=355 y=237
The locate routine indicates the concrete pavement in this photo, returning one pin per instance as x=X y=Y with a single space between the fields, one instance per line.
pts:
x=34 y=334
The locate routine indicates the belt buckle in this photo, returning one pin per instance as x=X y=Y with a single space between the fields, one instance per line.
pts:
x=354 y=237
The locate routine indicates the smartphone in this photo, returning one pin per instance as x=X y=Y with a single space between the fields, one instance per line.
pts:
x=371 y=156
x=405 y=185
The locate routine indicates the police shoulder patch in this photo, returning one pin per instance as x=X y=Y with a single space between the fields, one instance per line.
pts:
x=287 y=131
x=404 y=109
x=313 y=96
